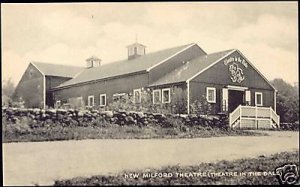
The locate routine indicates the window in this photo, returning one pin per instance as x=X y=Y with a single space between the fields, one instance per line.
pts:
x=102 y=99
x=248 y=97
x=166 y=96
x=58 y=103
x=156 y=96
x=119 y=96
x=91 y=100
x=137 y=96
x=258 y=99
x=79 y=102
x=225 y=99
x=211 y=94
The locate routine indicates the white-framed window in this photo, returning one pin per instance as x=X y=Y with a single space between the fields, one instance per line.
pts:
x=248 y=97
x=156 y=96
x=258 y=99
x=211 y=94
x=166 y=95
x=79 y=101
x=102 y=99
x=137 y=95
x=58 y=103
x=119 y=96
x=91 y=100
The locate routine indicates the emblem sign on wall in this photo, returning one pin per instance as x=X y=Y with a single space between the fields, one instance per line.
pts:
x=234 y=67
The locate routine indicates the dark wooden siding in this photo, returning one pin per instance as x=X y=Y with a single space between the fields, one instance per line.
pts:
x=31 y=88
x=198 y=92
x=219 y=74
x=108 y=87
x=51 y=82
x=174 y=63
x=178 y=97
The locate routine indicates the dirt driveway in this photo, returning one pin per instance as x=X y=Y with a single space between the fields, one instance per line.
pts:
x=43 y=162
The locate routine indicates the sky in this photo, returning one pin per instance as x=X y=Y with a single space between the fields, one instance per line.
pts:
x=69 y=33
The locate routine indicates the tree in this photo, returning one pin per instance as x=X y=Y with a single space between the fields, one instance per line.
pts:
x=8 y=88
x=287 y=101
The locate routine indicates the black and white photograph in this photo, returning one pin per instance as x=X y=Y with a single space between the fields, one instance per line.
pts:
x=150 y=93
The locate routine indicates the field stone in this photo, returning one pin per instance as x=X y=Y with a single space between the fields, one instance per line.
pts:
x=36 y=110
x=80 y=114
x=140 y=114
x=51 y=111
x=184 y=116
x=61 y=111
x=9 y=112
x=130 y=120
x=109 y=114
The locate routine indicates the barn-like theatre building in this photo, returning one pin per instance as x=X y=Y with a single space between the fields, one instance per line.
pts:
x=226 y=80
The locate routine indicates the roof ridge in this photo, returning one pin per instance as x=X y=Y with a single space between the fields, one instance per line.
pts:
x=153 y=57
x=162 y=50
x=222 y=51
x=49 y=63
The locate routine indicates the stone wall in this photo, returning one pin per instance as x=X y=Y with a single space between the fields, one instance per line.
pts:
x=80 y=117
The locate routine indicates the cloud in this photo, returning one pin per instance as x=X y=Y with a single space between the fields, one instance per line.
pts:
x=70 y=33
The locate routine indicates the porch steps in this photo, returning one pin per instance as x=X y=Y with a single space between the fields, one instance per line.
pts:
x=250 y=117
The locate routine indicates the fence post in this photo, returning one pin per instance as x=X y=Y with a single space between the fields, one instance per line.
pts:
x=256 y=121
x=270 y=117
x=240 y=116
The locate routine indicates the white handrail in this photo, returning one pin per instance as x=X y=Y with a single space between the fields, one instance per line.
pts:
x=260 y=113
x=233 y=115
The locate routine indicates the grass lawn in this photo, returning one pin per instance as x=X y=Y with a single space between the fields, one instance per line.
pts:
x=175 y=175
x=24 y=131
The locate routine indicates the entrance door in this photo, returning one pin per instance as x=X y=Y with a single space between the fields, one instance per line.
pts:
x=235 y=98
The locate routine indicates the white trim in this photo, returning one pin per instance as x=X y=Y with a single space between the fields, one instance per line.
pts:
x=81 y=99
x=261 y=94
x=162 y=93
x=239 y=88
x=44 y=90
x=215 y=94
x=58 y=101
x=256 y=70
x=37 y=68
x=119 y=94
x=171 y=56
x=275 y=92
x=100 y=99
x=212 y=64
x=91 y=96
x=188 y=97
x=159 y=91
x=248 y=96
x=140 y=92
x=225 y=98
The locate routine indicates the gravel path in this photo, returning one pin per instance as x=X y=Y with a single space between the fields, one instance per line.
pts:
x=43 y=162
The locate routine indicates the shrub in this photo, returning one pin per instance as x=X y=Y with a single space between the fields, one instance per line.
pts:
x=202 y=107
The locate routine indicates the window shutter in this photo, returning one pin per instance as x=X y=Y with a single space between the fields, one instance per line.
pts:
x=225 y=99
x=248 y=97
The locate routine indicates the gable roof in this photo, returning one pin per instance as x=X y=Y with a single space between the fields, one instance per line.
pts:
x=56 y=69
x=191 y=68
x=123 y=67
